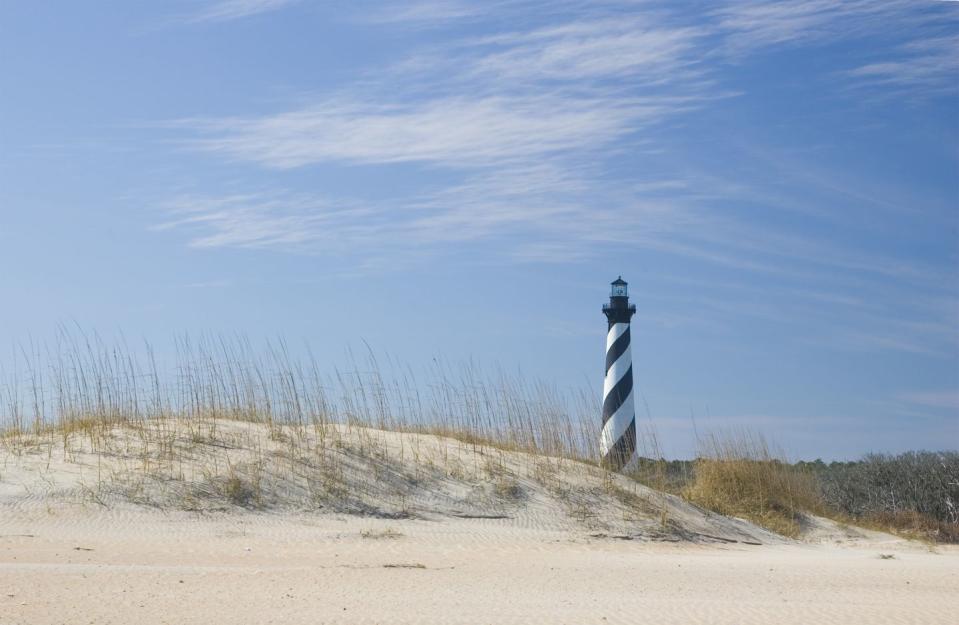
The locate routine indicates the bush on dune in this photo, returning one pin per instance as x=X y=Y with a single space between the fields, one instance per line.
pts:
x=738 y=475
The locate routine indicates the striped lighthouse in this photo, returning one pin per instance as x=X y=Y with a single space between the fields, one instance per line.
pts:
x=618 y=439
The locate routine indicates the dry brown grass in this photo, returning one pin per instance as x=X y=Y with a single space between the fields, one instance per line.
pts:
x=909 y=524
x=737 y=474
x=82 y=385
x=158 y=421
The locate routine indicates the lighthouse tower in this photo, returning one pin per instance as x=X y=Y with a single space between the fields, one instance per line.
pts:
x=618 y=439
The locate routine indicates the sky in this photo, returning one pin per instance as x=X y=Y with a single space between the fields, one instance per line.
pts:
x=778 y=182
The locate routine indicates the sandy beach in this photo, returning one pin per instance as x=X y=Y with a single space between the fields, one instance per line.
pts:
x=82 y=566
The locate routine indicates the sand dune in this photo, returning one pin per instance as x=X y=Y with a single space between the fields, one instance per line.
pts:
x=232 y=465
x=414 y=529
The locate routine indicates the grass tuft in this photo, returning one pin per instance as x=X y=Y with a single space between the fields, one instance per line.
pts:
x=386 y=534
x=738 y=475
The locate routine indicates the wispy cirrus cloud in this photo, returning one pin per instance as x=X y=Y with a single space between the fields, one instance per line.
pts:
x=225 y=10
x=603 y=48
x=520 y=141
x=491 y=100
x=760 y=23
x=924 y=61
x=926 y=67
x=271 y=220
x=450 y=132
x=542 y=208
x=948 y=399
x=423 y=12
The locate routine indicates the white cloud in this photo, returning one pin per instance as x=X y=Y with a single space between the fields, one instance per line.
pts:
x=424 y=12
x=598 y=49
x=760 y=23
x=539 y=212
x=225 y=10
x=934 y=399
x=929 y=66
x=526 y=145
x=926 y=62
x=450 y=132
x=515 y=97
x=267 y=220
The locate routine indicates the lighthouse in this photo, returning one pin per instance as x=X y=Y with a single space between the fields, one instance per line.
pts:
x=618 y=438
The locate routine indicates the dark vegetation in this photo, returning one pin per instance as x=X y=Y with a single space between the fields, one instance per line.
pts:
x=913 y=493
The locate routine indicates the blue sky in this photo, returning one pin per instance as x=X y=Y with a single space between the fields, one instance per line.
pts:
x=777 y=181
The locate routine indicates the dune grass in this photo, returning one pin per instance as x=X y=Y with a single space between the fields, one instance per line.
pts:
x=82 y=383
x=738 y=474
x=91 y=397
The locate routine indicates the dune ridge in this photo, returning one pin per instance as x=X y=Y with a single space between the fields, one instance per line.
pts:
x=223 y=465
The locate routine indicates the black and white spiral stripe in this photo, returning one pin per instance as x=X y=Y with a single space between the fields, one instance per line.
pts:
x=618 y=438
